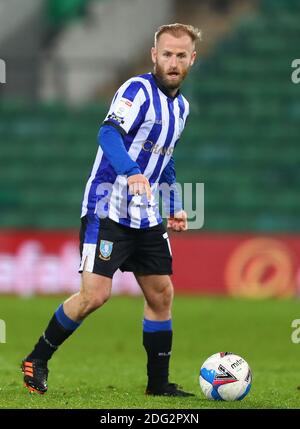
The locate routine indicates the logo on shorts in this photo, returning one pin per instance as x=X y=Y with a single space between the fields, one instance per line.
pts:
x=105 y=249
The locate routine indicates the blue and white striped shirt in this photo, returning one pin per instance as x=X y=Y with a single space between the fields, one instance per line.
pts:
x=151 y=123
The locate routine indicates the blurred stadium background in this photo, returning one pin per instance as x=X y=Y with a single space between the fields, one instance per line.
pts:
x=65 y=59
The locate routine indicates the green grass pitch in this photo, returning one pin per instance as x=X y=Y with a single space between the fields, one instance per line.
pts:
x=103 y=365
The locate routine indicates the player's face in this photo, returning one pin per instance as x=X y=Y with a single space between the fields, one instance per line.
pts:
x=173 y=58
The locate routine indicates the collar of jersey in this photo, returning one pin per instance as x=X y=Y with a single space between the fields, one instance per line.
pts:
x=164 y=89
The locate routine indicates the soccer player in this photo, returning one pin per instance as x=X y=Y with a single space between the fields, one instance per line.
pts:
x=121 y=224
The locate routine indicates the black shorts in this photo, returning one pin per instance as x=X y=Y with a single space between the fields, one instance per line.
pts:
x=106 y=245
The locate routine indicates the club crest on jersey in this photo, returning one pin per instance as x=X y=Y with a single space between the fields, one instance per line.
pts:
x=105 y=249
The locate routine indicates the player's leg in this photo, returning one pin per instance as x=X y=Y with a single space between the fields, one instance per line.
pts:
x=104 y=246
x=157 y=333
x=158 y=291
x=153 y=265
x=94 y=292
x=157 y=326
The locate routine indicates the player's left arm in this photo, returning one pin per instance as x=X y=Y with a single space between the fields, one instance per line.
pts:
x=177 y=217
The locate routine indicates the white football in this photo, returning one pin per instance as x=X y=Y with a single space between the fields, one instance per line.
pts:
x=225 y=376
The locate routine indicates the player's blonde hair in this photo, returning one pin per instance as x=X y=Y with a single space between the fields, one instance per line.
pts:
x=177 y=30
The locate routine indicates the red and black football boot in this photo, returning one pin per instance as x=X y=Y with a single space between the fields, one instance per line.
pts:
x=35 y=375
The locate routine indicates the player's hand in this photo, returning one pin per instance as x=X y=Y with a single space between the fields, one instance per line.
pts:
x=178 y=222
x=138 y=185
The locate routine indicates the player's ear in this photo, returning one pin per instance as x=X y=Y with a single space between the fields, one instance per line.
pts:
x=153 y=54
x=193 y=57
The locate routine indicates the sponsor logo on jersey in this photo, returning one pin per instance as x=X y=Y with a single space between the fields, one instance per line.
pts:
x=149 y=146
x=123 y=107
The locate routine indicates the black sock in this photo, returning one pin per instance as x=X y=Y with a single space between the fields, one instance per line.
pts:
x=54 y=335
x=158 y=347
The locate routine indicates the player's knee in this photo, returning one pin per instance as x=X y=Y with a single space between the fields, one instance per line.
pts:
x=99 y=300
x=168 y=294
x=92 y=301
x=161 y=300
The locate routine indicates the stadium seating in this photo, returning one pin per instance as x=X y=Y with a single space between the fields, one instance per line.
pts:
x=45 y=157
x=242 y=138
x=243 y=133
x=59 y=12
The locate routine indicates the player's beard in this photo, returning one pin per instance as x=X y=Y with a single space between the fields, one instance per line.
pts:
x=165 y=80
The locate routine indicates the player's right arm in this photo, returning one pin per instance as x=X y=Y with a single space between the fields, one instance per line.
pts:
x=127 y=110
x=113 y=148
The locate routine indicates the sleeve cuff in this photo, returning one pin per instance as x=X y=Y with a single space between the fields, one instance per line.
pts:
x=133 y=171
x=114 y=125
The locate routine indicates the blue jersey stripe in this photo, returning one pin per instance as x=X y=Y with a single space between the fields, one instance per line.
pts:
x=144 y=156
x=105 y=174
x=92 y=230
x=131 y=91
x=128 y=138
x=181 y=106
x=145 y=223
x=154 y=176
